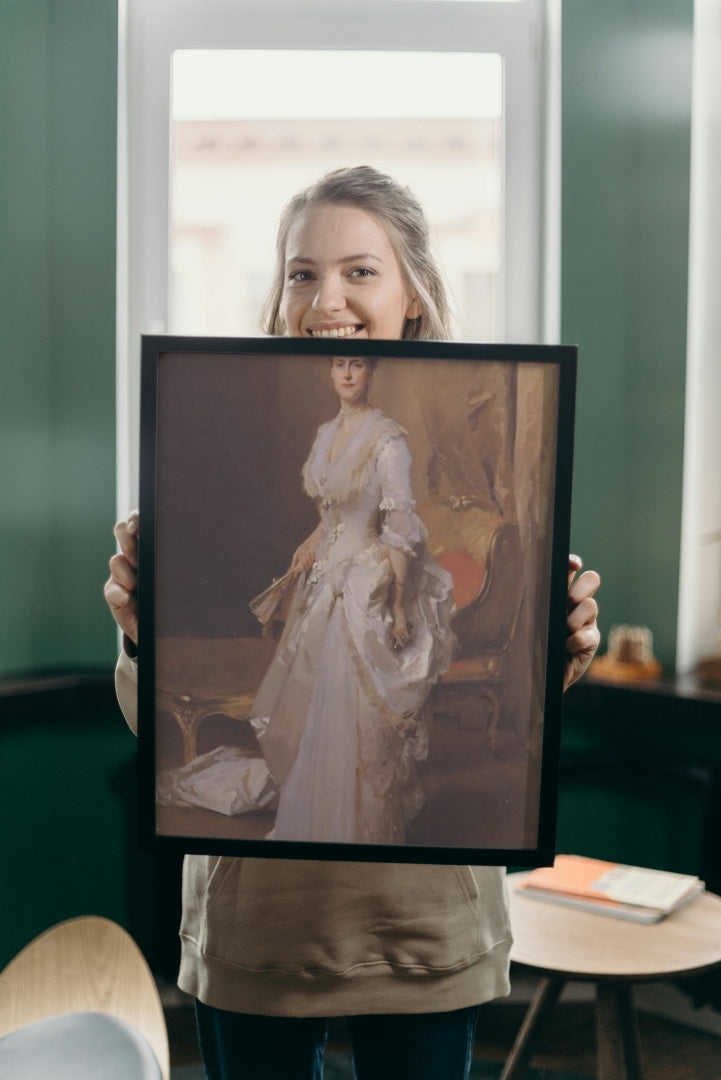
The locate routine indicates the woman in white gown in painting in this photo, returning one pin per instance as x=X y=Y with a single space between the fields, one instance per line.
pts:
x=341 y=712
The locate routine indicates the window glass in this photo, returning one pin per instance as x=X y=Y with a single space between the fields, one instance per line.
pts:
x=468 y=1
x=251 y=127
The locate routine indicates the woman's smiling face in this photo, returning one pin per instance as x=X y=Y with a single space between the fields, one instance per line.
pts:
x=342 y=277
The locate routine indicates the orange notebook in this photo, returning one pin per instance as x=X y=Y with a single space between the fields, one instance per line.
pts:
x=631 y=892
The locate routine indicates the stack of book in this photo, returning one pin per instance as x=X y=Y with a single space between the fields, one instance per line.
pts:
x=608 y=888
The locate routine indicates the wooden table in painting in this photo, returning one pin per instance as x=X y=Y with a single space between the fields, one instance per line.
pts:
x=563 y=944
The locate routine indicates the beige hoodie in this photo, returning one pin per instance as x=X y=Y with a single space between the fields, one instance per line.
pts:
x=298 y=938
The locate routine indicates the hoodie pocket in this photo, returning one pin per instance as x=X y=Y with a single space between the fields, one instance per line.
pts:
x=205 y=877
x=468 y=884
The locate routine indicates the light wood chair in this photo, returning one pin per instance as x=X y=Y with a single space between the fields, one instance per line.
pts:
x=86 y=965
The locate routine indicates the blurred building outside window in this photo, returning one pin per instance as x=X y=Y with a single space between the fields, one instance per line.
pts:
x=235 y=162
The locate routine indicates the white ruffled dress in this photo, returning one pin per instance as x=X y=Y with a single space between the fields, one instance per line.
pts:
x=341 y=716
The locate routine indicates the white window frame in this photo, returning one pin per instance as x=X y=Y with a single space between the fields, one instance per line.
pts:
x=699 y=597
x=526 y=34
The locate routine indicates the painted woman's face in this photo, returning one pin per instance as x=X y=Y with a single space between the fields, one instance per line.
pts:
x=351 y=379
x=342 y=277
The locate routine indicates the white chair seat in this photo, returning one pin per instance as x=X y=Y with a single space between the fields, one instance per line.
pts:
x=78 y=1046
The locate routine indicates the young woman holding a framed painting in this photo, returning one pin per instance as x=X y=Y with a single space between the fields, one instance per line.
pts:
x=273 y=947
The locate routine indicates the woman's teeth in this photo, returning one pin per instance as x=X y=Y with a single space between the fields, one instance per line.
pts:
x=336 y=332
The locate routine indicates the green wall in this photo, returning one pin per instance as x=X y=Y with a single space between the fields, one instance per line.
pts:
x=68 y=801
x=626 y=145
x=626 y=135
x=626 y=104
x=66 y=758
x=58 y=72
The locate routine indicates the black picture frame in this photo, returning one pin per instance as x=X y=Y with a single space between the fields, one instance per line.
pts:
x=226 y=425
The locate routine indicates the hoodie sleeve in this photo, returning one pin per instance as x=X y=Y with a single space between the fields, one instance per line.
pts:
x=126 y=688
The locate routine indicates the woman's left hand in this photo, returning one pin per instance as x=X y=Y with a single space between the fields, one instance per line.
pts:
x=400 y=634
x=582 y=633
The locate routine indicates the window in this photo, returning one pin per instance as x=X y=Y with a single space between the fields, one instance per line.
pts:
x=227 y=107
x=235 y=161
x=699 y=624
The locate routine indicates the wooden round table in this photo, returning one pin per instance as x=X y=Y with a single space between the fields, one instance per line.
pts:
x=563 y=944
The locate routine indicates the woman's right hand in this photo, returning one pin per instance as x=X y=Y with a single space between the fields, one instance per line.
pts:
x=122 y=586
x=304 y=556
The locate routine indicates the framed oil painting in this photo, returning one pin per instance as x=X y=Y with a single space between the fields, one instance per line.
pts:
x=352 y=597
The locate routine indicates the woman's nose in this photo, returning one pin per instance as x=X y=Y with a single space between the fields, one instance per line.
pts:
x=329 y=295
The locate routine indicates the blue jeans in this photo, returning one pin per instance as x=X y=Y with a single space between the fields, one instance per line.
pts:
x=414 y=1046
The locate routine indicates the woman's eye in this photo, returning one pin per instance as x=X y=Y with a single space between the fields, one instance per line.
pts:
x=299 y=276
x=362 y=272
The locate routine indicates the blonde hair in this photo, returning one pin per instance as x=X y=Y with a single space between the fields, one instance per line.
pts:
x=403 y=217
